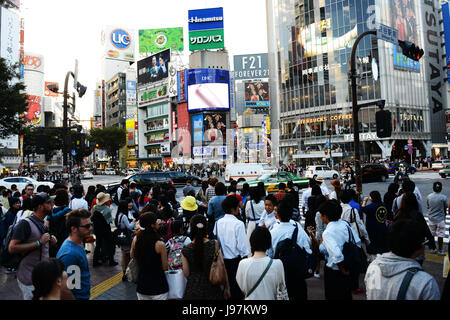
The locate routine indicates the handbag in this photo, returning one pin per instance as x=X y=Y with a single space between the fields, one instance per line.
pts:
x=132 y=271
x=218 y=273
x=352 y=253
x=364 y=264
x=177 y=283
x=122 y=237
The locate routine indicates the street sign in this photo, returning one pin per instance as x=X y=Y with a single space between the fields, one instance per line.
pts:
x=406 y=147
x=327 y=144
x=409 y=141
x=410 y=151
x=387 y=34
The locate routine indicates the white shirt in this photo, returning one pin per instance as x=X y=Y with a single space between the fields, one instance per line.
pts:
x=78 y=203
x=283 y=230
x=346 y=216
x=230 y=232
x=334 y=237
x=268 y=219
x=258 y=209
x=249 y=272
x=307 y=194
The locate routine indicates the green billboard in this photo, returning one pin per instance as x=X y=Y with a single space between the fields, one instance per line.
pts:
x=206 y=39
x=156 y=40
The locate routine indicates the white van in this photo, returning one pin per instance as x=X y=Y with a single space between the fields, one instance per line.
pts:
x=247 y=171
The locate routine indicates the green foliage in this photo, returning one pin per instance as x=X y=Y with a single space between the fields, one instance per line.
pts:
x=13 y=101
x=110 y=139
x=54 y=136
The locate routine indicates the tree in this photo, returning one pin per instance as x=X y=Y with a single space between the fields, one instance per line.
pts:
x=110 y=139
x=54 y=138
x=13 y=101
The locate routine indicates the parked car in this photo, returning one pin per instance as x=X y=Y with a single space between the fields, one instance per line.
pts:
x=374 y=172
x=109 y=171
x=87 y=174
x=271 y=181
x=247 y=171
x=440 y=164
x=445 y=172
x=131 y=171
x=179 y=178
x=21 y=182
x=325 y=172
x=393 y=167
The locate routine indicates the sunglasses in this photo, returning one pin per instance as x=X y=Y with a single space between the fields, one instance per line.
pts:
x=87 y=226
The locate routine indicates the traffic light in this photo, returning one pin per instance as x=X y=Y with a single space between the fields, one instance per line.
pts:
x=326 y=151
x=384 y=123
x=81 y=89
x=410 y=50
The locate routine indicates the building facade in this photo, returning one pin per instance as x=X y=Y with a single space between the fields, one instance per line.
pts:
x=116 y=101
x=310 y=44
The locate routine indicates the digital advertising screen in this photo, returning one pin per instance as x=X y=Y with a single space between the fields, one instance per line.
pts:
x=208 y=89
x=153 y=68
x=257 y=94
x=214 y=126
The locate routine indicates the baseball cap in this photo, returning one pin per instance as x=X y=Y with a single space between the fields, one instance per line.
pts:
x=41 y=198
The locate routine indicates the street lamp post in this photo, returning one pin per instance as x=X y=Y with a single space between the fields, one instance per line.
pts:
x=65 y=119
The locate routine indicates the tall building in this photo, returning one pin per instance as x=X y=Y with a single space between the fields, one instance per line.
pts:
x=309 y=50
x=116 y=101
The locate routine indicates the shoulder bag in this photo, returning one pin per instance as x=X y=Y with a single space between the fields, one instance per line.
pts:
x=406 y=282
x=260 y=279
x=218 y=273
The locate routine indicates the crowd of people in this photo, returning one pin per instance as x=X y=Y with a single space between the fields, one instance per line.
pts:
x=221 y=243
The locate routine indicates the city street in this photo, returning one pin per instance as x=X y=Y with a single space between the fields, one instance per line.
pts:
x=106 y=281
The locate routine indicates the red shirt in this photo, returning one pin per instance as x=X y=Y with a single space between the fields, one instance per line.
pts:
x=238 y=196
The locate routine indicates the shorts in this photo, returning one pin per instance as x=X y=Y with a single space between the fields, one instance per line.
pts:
x=437 y=228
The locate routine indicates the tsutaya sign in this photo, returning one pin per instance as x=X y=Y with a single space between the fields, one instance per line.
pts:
x=435 y=69
x=369 y=136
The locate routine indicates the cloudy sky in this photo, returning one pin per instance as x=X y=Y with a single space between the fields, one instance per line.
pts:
x=65 y=30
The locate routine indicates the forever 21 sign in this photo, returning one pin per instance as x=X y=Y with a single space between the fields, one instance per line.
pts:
x=251 y=66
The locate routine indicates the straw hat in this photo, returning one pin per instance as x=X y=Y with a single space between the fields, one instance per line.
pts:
x=189 y=204
x=319 y=179
x=102 y=198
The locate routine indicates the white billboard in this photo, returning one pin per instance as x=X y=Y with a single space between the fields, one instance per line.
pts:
x=118 y=43
x=34 y=74
x=9 y=36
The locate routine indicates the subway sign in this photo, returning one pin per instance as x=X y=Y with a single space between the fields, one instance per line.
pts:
x=205 y=19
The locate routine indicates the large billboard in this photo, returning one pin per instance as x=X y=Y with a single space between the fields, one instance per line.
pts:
x=206 y=29
x=403 y=18
x=208 y=89
x=153 y=68
x=214 y=126
x=118 y=43
x=156 y=40
x=9 y=36
x=251 y=66
x=257 y=94
x=205 y=19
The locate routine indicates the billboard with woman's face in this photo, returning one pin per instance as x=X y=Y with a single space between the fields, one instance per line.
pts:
x=214 y=126
x=257 y=94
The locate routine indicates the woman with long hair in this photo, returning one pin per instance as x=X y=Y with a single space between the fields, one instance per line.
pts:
x=122 y=222
x=197 y=258
x=409 y=209
x=90 y=195
x=171 y=194
x=337 y=190
x=389 y=198
x=150 y=253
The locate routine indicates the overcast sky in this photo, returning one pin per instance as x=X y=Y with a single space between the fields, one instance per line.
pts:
x=65 y=30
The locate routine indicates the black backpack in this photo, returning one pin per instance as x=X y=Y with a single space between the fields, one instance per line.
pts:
x=354 y=257
x=297 y=262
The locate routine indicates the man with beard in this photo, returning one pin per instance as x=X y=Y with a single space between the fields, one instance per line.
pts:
x=32 y=240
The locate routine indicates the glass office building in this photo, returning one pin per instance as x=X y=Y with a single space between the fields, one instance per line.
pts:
x=310 y=43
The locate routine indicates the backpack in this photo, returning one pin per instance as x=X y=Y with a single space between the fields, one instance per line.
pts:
x=165 y=229
x=122 y=237
x=174 y=254
x=297 y=263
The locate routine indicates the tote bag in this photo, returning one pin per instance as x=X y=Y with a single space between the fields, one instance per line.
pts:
x=177 y=284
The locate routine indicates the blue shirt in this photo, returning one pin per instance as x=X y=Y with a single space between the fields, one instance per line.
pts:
x=215 y=207
x=285 y=230
x=73 y=256
x=269 y=220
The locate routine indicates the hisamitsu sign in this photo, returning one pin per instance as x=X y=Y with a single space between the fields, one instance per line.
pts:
x=205 y=19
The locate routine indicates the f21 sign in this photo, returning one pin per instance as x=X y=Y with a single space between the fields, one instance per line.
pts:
x=251 y=66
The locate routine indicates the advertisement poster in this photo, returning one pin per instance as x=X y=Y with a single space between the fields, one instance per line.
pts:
x=214 y=126
x=403 y=18
x=257 y=94
x=446 y=18
x=154 y=68
x=251 y=66
x=206 y=39
x=49 y=93
x=205 y=19
x=156 y=40
x=131 y=92
x=197 y=127
x=208 y=89
x=9 y=36
x=34 y=110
